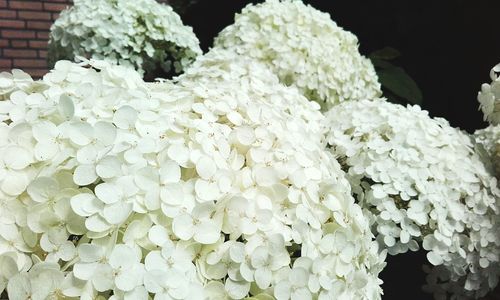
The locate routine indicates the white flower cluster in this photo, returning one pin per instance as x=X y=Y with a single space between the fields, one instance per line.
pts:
x=422 y=183
x=305 y=48
x=489 y=97
x=141 y=33
x=488 y=146
x=202 y=189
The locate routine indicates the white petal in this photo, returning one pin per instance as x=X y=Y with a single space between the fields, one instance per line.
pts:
x=107 y=193
x=19 y=287
x=206 y=190
x=84 y=175
x=117 y=213
x=85 y=204
x=15 y=183
x=42 y=189
x=237 y=289
x=205 y=167
x=108 y=167
x=155 y=261
x=90 y=252
x=263 y=277
x=158 y=235
x=172 y=194
x=17 y=158
x=87 y=154
x=207 y=232
x=183 y=227
x=84 y=271
x=122 y=256
x=97 y=223
x=125 y=117
x=170 y=172
x=66 y=107
x=178 y=153
x=45 y=150
x=105 y=132
x=265 y=176
x=282 y=290
x=434 y=258
x=298 y=277
x=103 y=278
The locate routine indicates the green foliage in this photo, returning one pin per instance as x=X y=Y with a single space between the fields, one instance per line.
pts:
x=397 y=85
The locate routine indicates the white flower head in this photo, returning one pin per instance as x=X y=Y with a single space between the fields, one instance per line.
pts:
x=488 y=147
x=422 y=184
x=213 y=184
x=143 y=34
x=489 y=97
x=305 y=49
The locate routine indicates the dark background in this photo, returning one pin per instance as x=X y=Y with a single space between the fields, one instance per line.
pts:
x=448 y=48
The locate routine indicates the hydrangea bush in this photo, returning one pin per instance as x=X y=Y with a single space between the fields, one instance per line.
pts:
x=141 y=33
x=112 y=187
x=489 y=97
x=305 y=48
x=420 y=183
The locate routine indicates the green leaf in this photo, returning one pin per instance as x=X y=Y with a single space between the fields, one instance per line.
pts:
x=380 y=63
x=396 y=80
x=386 y=53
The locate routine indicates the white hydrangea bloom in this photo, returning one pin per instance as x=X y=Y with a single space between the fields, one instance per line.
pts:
x=488 y=147
x=422 y=184
x=489 y=97
x=305 y=48
x=188 y=189
x=144 y=34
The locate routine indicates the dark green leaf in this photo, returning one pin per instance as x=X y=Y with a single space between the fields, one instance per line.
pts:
x=379 y=63
x=396 y=80
x=386 y=53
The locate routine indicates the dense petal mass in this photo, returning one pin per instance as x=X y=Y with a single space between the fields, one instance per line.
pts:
x=305 y=48
x=489 y=97
x=141 y=33
x=488 y=147
x=214 y=185
x=423 y=184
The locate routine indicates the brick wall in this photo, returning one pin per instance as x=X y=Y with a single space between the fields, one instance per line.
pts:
x=24 y=29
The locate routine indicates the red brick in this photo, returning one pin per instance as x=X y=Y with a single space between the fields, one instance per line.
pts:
x=11 y=24
x=4 y=43
x=5 y=63
x=25 y=5
x=3 y=3
x=19 y=53
x=42 y=53
x=19 y=44
x=38 y=44
x=54 y=6
x=38 y=25
x=34 y=15
x=18 y=34
x=35 y=73
x=30 y=63
x=44 y=35
x=59 y=1
x=7 y=14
